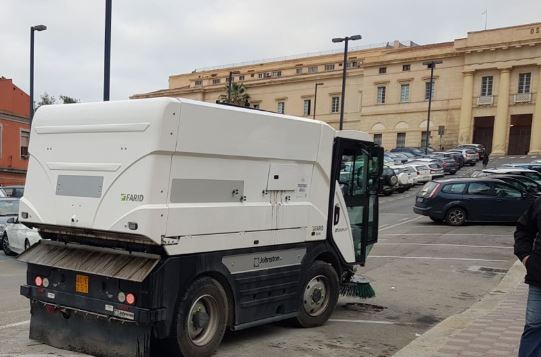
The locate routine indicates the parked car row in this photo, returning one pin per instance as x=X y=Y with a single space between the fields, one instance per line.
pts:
x=490 y=195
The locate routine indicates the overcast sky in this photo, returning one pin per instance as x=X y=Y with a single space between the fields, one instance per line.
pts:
x=153 y=39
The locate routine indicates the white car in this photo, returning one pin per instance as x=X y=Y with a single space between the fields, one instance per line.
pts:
x=423 y=172
x=405 y=177
x=17 y=237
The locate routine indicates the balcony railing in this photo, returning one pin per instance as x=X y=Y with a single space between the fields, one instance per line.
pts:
x=522 y=98
x=485 y=100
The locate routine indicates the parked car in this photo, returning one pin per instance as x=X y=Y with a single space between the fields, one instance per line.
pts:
x=454 y=155
x=436 y=170
x=471 y=157
x=530 y=166
x=405 y=178
x=481 y=150
x=388 y=181
x=534 y=175
x=531 y=184
x=411 y=150
x=13 y=191
x=448 y=162
x=9 y=208
x=457 y=201
x=17 y=237
x=422 y=172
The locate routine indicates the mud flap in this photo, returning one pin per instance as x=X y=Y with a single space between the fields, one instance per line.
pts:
x=89 y=333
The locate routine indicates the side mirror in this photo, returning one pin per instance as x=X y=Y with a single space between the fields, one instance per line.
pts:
x=11 y=220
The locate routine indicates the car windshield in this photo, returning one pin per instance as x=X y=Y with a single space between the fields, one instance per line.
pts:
x=533 y=175
x=9 y=207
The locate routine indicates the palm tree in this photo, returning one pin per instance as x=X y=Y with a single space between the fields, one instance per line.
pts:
x=239 y=95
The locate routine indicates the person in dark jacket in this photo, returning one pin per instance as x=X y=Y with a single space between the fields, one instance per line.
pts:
x=528 y=250
x=485 y=160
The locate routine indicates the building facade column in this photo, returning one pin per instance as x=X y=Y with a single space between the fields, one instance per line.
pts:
x=465 y=123
x=501 y=122
x=535 y=138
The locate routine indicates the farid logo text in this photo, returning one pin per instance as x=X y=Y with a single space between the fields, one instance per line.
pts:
x=131 y=197
x=259 y=261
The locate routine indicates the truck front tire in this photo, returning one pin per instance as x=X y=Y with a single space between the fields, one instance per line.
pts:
x=201 y=319
x=319 y=295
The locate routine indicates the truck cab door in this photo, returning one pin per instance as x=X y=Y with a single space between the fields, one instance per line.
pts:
x=353 y=217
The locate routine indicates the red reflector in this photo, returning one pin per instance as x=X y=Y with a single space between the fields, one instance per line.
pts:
x=130 y=298
x=38 y=280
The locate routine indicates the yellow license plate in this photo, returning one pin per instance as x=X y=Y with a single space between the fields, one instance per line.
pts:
x=81 y=284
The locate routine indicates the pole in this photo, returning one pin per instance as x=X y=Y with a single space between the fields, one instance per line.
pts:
x=429 y=107
x=229 y=86
x=31 y=109
x=344 y=65
x=315 y=100
x=107 y=57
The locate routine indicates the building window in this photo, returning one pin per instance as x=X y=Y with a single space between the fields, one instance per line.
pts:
x=486 y=86
x=312 y=69
x=404 y=93
x=406 y=67
x=423 y=138
x=427 y=90
x=25 y=139
x=329 y=67
x=216 y=81
x=400 y=140
x=352 y=64
x=277 y=73
x=198 y=83
x=382 y=70
x=256 y=106
x=298 y=70
x=241 y=77
x=335 y=104
x=378 y=138
x=524 y=80
x=381 y=95
x=281 y=107
x=307 y=107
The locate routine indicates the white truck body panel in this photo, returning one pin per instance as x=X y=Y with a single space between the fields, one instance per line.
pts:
x=194 y=176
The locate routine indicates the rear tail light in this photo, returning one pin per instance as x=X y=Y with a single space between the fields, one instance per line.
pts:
x=130 y=299
x=38 y=280
x=434 y=191
x=121 y=297
x=45 y=282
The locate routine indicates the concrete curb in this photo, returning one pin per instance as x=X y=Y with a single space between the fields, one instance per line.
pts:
x=431 y=341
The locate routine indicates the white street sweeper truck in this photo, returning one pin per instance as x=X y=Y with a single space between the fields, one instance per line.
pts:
x=167 y=221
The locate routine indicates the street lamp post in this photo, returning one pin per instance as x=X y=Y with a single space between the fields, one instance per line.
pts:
x=315 y=97
x=344 y=65
x=32 y=29
x=431 y=65
x=107 y=54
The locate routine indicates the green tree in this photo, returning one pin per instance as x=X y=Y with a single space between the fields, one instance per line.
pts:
x=68 y=100
x=239 y=95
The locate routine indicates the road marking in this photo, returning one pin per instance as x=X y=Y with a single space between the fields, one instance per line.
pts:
x=14 y=324
x=364 y=321
x=404 y=219
x=438 y=258
x=398 y=224
x=383 y=225
x=449 y=245
x=522 y=157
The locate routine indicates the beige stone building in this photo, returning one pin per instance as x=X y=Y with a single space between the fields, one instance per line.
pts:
x=486 y=90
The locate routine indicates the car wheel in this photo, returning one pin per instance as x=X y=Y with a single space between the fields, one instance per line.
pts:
x=319 y=295
x=5 y=245
x=200 y=320
x=455 y=216
x=26 y=245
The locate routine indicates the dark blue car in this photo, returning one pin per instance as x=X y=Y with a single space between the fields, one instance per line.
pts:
x=457 y=201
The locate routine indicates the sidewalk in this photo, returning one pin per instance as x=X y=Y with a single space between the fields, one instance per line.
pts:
x=491 y=327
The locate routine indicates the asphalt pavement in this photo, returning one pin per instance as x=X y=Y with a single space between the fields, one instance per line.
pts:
x=422 y=273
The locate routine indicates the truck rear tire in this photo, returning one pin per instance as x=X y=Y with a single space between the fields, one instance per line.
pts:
x=201 y=319
x=319 y=295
